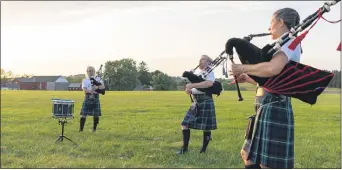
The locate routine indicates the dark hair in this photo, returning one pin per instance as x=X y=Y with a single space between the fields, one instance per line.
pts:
x=289 y=16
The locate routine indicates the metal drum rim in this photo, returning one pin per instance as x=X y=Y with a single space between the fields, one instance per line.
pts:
x=63 y=102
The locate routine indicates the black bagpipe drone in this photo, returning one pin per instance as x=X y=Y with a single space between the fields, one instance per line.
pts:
x=96 y=83
x=295 y=80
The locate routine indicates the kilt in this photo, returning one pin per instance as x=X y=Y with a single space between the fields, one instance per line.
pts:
x=206 y=118
x=272 y=142
x=91 y=107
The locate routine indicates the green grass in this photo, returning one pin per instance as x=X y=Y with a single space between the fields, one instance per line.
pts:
x=142 y=130
x=333 y=89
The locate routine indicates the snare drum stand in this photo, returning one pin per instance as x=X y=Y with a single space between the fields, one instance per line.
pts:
x=60 y=139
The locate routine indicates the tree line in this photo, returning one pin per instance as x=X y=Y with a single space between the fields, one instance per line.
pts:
x=126 y=75
x=8 y=76
x=336 y=80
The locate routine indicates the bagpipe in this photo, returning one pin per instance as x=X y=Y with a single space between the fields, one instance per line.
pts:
x=216 y=88
x=96 y=83
x=296 y=80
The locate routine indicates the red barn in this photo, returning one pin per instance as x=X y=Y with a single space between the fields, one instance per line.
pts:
x=29 y=84
x=42 y=83
x=32 y=85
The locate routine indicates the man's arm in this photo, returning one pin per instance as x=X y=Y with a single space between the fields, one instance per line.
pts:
x=267 y=69
x=207 y=83
x=203 y=84
x=84 y=87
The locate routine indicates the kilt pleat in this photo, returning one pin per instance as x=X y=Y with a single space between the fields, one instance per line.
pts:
x=91 y=107
x=272 y=143
x=206 y=118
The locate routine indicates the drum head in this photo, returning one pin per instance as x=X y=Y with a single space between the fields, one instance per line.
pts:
x=62 y=108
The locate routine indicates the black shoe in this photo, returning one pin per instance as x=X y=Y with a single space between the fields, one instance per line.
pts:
x=202 y=150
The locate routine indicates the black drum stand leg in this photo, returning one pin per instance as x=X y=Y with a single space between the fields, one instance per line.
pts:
x=61 y=137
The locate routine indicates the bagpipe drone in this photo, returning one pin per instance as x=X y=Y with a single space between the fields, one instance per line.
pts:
x=96 y=83
x=295 y=80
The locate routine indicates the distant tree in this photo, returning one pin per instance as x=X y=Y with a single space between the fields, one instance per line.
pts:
x=182 y=83
x=162 y=81
x=26 y=76
x=229 y=87
x=145 y=76
x=156 y=72
x=6 y=77
x=121 y=74
x=336 y=80
x=75 y=79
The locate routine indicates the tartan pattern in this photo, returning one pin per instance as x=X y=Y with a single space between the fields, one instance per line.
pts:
x=272 y=143
x=86 y=106
x=206 y=118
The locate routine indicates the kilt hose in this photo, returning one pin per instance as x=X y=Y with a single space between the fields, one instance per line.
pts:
x=205 y=118
x=272 y=142
x=91 y=107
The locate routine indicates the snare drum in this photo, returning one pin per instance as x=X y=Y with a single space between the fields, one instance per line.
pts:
x=62 y=108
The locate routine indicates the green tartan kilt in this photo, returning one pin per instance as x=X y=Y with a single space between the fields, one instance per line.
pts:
x=272 y=142
x=205 y=118
x=91 y=107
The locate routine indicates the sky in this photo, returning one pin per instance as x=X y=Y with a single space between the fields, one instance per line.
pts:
x=63 y=38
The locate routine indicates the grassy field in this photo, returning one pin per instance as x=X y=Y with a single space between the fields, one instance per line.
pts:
x=142 y=130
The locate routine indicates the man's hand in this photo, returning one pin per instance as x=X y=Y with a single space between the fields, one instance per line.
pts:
x=90 y=91
x=188 y=91
x=235 y=69
x=244 y=78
